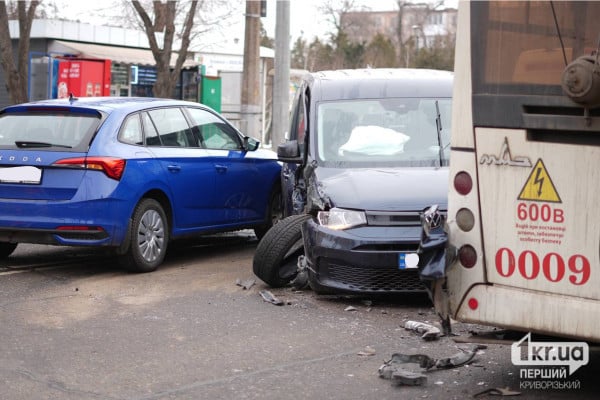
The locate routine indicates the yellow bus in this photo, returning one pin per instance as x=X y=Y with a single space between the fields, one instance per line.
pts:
x=523 y=207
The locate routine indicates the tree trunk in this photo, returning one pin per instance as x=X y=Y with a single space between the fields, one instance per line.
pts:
x=16 y=74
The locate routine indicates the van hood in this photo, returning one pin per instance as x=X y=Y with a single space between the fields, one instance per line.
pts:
x=383 y=189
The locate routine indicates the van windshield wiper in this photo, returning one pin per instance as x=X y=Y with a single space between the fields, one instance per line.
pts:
x=438 y=126
x=26 y=144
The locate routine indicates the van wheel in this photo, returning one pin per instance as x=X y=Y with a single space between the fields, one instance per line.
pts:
x=149 y=236
x=276 y=257
x=274 y=213
x=6 y=249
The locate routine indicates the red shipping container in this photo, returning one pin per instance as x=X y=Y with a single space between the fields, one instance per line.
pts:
x=83 y=78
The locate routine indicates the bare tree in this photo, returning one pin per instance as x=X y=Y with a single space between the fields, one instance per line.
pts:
x=408 y=35
x=16 y=73
x=164 y=22
x=342 y=48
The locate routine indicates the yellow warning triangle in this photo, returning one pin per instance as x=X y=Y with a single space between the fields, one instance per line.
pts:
x=539 y=186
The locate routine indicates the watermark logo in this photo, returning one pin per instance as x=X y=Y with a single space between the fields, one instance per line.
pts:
x=549 y=354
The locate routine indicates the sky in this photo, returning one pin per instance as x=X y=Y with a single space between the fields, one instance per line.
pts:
x=305 y=18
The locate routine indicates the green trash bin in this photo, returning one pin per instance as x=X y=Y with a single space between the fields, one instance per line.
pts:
x=210 y=92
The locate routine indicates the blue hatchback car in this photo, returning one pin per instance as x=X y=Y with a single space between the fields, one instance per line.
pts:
x=131 y=174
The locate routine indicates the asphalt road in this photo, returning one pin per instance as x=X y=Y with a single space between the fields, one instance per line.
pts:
x=75 y=326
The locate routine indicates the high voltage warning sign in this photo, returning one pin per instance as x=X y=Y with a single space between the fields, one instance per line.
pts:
x=539 y=186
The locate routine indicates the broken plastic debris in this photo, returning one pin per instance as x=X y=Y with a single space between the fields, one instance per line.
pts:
x=459 y=358
x=429 y=332
x=409 y=378
x=270 y=298
x=247 y=284
x=367 y=351
x=394 y=367
x=401 y=376
x=350 y=308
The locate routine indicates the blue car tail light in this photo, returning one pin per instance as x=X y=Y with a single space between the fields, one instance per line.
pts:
x=111 y=166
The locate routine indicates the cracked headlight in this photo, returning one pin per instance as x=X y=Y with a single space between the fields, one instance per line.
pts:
x=340 y=219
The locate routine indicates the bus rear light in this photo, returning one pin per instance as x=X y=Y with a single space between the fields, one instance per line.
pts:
x=463 y=183
x=473 y=303
x=467 y=256
x=465 y=219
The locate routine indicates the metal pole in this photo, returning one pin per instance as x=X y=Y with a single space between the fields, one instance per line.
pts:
x=281 y=84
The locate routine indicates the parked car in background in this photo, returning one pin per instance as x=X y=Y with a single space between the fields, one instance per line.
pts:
x=366 y=155
x=129 y=173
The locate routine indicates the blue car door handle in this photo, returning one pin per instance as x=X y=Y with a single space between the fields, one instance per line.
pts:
x=174 y=168
x=221 y=168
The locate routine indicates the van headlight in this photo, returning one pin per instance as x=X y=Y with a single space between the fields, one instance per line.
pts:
x=339 y=219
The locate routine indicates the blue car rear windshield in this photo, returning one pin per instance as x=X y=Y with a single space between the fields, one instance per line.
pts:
x=59 y=131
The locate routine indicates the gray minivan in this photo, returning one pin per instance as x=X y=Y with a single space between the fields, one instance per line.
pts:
x=366 y=155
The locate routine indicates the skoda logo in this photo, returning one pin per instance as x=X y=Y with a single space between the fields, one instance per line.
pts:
x=23 y=159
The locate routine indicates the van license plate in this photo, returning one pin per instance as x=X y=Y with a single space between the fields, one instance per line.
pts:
x=408 y=260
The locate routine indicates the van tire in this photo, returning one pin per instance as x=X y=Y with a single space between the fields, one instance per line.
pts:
x=276 y=257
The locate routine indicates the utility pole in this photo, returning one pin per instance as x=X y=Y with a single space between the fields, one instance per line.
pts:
x=281 y=83
x=250 y=118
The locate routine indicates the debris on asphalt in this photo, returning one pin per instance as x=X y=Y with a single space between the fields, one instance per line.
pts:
x=350 y=308
x=270 y=298
x=395 y=371
x=367 y=351
x=429 y=332
x=498 y=392
x=459 y=359
x=409 y=378
x=400 y=376
x=247 y=284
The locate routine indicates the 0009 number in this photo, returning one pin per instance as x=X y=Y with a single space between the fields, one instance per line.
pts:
x=552 y=266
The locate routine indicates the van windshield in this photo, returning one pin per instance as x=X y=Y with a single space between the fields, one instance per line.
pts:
x=411 y=132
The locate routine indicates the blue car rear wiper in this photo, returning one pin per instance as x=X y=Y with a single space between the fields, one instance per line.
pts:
x=26 y=144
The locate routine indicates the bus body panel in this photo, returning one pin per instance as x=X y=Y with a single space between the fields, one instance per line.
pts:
x=550 y=285
x=540 y=312
x=537 y=235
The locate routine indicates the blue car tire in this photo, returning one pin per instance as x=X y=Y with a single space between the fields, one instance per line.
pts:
x=148 y=238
